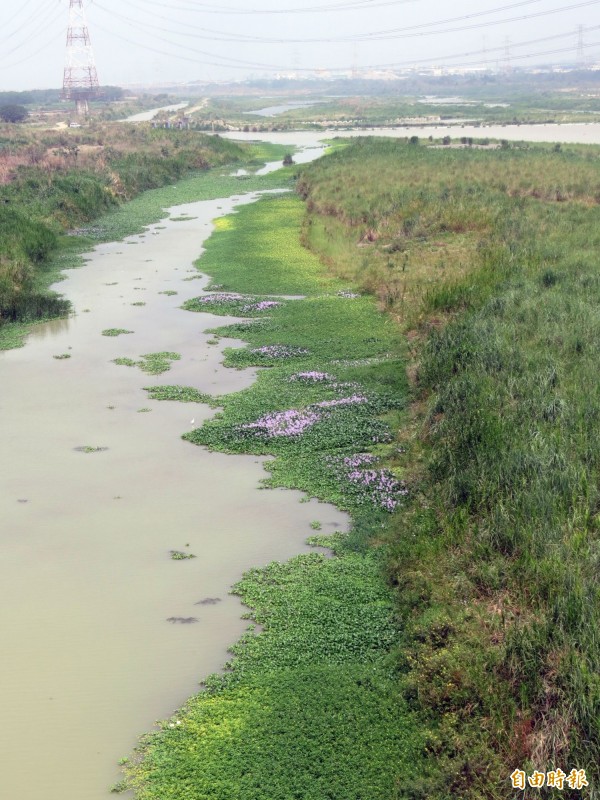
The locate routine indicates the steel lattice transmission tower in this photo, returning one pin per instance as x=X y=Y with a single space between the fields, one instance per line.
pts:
x=80 y=81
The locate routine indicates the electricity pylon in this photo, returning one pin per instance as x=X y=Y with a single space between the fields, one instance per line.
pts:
x=80 y=81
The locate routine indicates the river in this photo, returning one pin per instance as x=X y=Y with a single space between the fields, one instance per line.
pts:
x=147 y=116
x=570 y=133
x=89 y=658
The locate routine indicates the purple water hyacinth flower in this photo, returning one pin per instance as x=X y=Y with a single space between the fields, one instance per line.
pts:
x=377 y=487
x=220 y=298
x=311 y=377
x=342 y=401
x=283 y=423
x=279 y=351
x=263 y=305
x=383 y=489
x=359 y=460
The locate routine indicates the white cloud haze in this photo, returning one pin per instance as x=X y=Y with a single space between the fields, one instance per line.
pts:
x=148 y=41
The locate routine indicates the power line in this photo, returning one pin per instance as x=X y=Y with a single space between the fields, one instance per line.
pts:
x=32 y=18
x=485 y=51
x=41 y=49
x=239 y=64
x=229 y=37
x=205 y=8
x=14 y=16
x=34 y=32
x=410 y=31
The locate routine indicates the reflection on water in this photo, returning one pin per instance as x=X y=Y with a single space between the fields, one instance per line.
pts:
x=568 y=133
x=274 y=111
x=50 y=329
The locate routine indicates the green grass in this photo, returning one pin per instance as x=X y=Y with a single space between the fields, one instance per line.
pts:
x=495 y=555
x=152 y=363
x=268 y=238
x=303 y=702
x=345 y=338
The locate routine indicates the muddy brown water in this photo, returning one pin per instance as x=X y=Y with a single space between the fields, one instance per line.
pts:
x=89 y=658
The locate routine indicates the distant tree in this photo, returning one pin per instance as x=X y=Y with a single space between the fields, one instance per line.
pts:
x=22 y=98
x=13 y=113
x=110 y=93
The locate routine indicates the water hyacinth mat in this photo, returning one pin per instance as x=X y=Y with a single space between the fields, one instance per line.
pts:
x=328 y=406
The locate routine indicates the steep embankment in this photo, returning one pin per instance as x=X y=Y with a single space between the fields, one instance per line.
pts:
x=488 y=260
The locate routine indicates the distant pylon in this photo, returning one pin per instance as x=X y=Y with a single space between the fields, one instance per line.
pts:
x=80 y=81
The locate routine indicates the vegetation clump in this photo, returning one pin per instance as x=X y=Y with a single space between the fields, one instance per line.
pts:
x=178 y=555
x=232 y=303
x=152 y=363
x=183 y=394
x=115 y=331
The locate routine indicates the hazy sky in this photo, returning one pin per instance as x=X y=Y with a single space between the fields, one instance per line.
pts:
x=149 y=41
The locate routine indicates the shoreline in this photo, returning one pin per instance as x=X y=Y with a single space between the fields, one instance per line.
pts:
x=325 y=623
x=123 y=533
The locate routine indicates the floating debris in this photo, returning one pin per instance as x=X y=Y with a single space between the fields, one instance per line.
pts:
x=89 y=449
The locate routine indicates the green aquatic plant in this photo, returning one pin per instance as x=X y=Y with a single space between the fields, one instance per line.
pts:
x=90 y=449
x=152 y=363
x=183 y=394
x=233 y=304
x=115 y=331
x=178 y=555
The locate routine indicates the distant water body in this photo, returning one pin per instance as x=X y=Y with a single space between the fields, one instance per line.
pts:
x=568 y=133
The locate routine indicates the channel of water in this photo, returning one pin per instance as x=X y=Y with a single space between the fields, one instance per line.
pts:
x=89 y=659
x=567 y=133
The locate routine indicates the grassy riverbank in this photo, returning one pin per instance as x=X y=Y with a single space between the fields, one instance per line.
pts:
x=58 y=183
x=486 y=264
x=488 y=261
